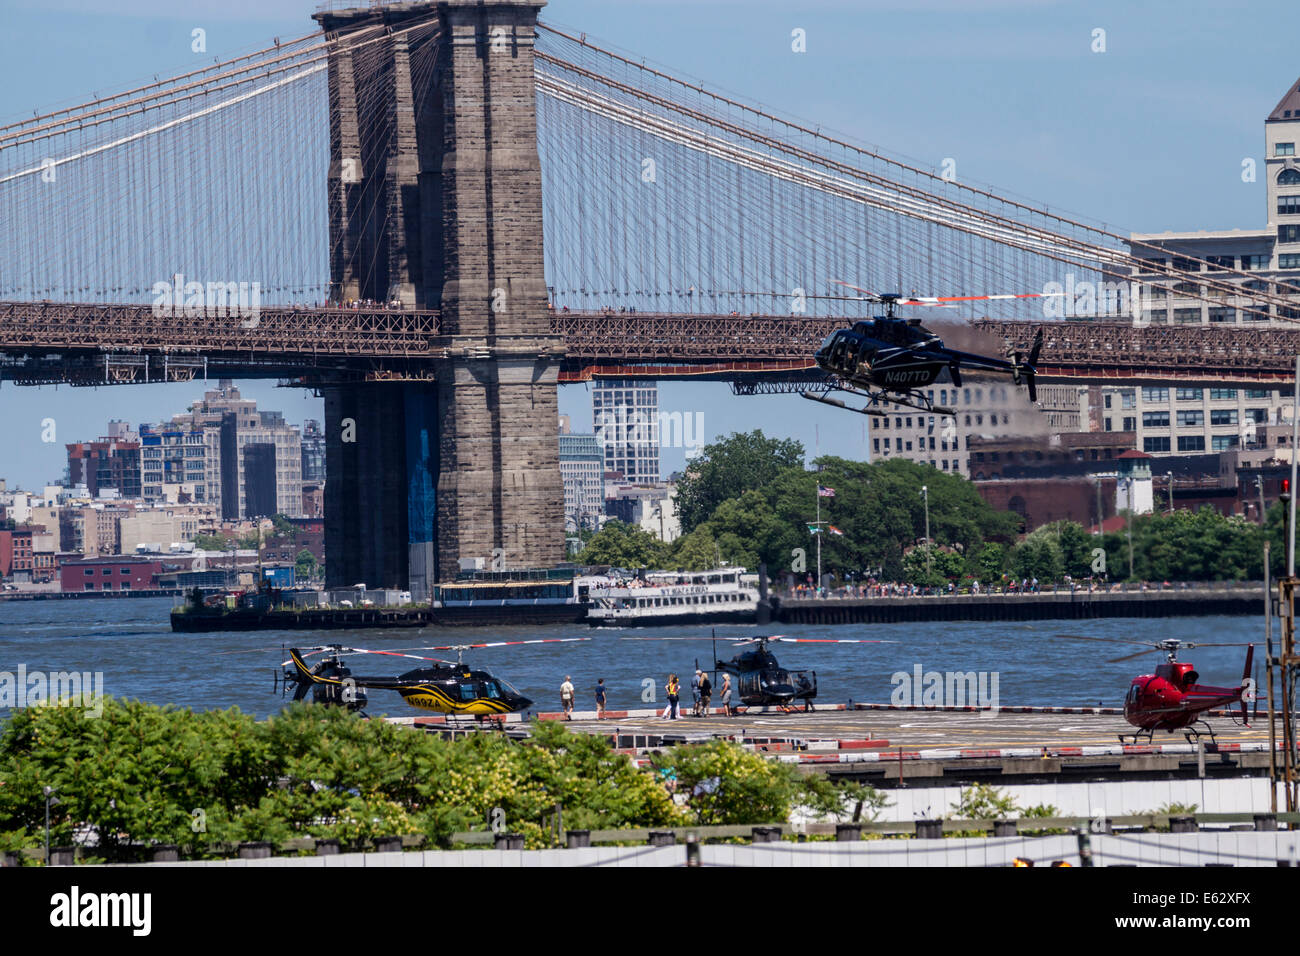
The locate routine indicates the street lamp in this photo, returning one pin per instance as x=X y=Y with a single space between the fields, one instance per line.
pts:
x=1097 y=482
x=1130 y=527
x=925 y=494
x=51 y=800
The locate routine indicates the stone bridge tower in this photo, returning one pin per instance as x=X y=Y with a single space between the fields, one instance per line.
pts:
x=435 y=201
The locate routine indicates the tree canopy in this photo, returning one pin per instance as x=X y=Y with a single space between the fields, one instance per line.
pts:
x=749 y=500
x=728 y=468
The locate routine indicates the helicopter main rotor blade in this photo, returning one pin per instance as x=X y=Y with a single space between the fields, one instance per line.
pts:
x=875 y=296
x=944 y=300
x=633 y=637
x=930 y=300
x=1129 y=657
x=471 y=647
x=414 y=657
x=827 y=640
x=1107 y=640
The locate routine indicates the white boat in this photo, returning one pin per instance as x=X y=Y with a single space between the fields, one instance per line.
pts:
x=720 y=596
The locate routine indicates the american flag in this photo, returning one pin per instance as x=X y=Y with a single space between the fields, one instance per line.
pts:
x=825 y=492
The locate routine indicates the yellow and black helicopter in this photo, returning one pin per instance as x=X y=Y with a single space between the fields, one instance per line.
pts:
x=447 y=687
x=889 y=359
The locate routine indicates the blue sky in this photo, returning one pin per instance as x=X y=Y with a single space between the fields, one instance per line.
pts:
x=1148 y=135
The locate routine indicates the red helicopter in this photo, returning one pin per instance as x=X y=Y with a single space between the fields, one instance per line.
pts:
x=1171 y=699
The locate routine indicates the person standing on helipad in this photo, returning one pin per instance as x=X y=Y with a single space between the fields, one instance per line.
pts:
x=566 y=697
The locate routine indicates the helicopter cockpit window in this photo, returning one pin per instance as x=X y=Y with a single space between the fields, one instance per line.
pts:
x=838 y=349
x=490 y=690
x=467 y=692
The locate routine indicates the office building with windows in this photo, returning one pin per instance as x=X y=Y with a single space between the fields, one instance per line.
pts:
x=254 y=460
x=1173 y=420
x=583 y=473
x=986 y=408
x=625 y=415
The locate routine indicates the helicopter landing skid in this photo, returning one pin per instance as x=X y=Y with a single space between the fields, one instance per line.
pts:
x=915 y=400
x=825 y=400
x=1192 y=735
x=1148 y=733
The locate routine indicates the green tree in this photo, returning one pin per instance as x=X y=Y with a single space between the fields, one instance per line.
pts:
x=622 y=545
x=696 y=551
x=748 y=532
x=945 y=565
x=1075 y=545
x=305 y=565
x=726 y=784
x=988 y=563
x=283 y=526
x=729 y=467
x=211 y=542
x=982 y=801
x=1038 y=556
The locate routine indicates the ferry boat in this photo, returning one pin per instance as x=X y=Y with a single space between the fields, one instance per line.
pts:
x=510 y=597
x=661 y=598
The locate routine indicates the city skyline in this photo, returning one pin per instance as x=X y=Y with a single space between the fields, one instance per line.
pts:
x=1128 y=133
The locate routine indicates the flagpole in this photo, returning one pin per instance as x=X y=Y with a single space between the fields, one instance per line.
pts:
x=817 y=450
x=819 y=538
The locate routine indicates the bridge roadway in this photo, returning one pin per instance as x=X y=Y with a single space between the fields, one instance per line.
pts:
x=97 y=344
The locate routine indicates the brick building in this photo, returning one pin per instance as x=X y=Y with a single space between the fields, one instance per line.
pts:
x=109 y=573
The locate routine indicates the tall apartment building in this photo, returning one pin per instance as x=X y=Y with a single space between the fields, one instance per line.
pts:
x=625 y=414
x=1173 y=420
x=313 y=453
x=583 y=473
x=90 y=530
x=253 y=459
x=176 y=457
x=107 y=463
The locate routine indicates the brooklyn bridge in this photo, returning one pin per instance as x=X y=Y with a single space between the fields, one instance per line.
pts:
x=448 y=209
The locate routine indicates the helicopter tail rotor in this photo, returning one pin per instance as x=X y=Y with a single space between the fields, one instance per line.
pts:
x=300 y=674
x=1033 y=366
x=1025 y=372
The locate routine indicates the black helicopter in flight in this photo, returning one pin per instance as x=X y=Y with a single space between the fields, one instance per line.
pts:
x=448 y=687
x=889 y=360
